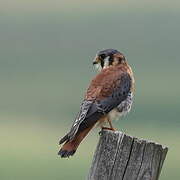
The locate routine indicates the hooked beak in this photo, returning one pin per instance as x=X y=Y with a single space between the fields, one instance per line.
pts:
x=96 y=60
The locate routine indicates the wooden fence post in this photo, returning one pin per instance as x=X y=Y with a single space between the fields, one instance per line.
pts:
x=122 y=157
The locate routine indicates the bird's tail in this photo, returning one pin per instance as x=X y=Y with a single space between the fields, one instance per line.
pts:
x=70 y=147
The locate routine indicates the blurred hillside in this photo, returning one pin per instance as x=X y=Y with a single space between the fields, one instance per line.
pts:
x=46 y=53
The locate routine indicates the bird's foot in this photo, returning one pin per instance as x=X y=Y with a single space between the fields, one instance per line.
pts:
x=106 y=128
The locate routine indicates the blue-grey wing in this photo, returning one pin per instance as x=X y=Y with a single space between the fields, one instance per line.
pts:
x=92 y=110
x=118 y=95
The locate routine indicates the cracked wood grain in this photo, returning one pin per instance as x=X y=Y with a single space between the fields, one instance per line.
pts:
x=122 y=157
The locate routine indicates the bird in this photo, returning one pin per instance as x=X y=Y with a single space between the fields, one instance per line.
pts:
x=109 y=96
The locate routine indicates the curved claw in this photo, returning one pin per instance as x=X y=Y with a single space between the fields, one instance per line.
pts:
x=100 y=133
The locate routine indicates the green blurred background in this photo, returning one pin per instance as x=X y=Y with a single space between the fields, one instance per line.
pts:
x=46 y=52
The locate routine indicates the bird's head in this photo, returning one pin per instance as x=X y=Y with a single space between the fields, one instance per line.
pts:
x=108 y=57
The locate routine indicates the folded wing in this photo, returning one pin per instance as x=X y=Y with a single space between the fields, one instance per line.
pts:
x=103 y=95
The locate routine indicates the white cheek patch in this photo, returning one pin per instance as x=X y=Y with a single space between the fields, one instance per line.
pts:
x=98 y=67
x=106 y=62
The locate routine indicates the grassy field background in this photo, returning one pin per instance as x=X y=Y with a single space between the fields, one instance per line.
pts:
x=46 y=53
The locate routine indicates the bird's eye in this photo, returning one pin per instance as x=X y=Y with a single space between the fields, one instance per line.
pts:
x=102 y=56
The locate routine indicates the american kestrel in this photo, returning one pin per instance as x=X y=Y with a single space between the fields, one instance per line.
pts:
x=109 y=96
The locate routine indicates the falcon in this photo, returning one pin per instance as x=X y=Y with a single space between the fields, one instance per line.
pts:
x=108 y=97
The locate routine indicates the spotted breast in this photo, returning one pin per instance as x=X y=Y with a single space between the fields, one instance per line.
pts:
x=122 y=109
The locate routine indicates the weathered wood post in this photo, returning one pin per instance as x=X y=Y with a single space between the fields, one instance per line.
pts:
x=122 y=157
